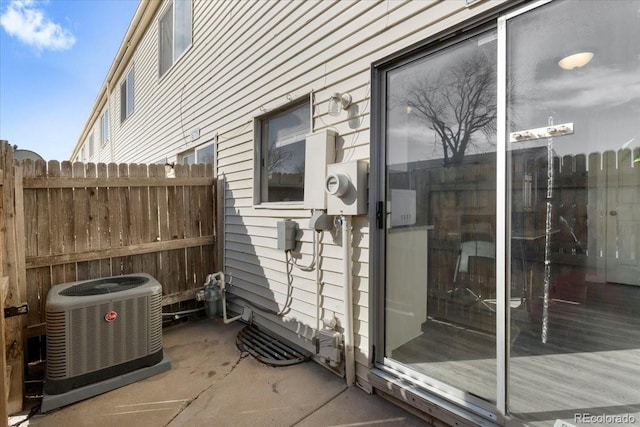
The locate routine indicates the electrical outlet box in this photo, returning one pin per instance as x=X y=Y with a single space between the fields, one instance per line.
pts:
x=319 y=150
x=287 y=231
x=346 y=184
x=329 y=346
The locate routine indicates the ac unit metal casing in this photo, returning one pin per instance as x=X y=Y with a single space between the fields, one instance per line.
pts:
x=102 y=328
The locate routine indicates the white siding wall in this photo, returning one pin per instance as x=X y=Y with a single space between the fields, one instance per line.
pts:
x=249 y=58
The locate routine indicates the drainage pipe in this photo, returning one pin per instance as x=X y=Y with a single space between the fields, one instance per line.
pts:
x=350 y=365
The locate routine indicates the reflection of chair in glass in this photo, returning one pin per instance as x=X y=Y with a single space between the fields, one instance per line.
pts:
x=466 y=280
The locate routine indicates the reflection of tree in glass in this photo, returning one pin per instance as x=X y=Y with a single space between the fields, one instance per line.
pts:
x=277 y=158
x=457 y=103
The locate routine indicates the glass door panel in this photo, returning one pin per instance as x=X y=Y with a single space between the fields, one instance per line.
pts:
x=440 y=293
x=573 y=115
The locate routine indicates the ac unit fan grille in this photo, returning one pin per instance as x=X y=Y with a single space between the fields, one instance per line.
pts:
x=56 y=345
x=104 y=286
x=127 y=337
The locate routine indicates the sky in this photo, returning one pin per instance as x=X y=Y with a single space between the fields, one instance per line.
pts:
x=54 y=57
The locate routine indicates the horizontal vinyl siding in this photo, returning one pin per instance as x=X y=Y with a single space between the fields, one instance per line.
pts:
x=249 y=58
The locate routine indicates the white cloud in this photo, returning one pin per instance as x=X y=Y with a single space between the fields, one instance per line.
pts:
x=601 y=87
x=29 y=24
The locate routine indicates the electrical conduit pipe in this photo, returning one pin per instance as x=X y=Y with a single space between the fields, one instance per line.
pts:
x=350 y=371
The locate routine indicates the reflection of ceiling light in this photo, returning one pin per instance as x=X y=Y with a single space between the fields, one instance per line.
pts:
x=577 y=60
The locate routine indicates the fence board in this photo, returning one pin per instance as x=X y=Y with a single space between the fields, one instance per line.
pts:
x=135 y=209
x=31 y=220
x=69 y=240
x=103 y=214
x=123 y=193
x=56 y=210
x=80 y=211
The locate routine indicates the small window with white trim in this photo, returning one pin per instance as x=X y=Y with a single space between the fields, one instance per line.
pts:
x=104 y=128
x=204 y=153
x=126 y=96
x=91 y=147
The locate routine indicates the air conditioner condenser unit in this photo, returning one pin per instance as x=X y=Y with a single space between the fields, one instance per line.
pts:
x=102 y=334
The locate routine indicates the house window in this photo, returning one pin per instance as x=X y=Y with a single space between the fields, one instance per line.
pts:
x=202 y=154
x=280 y=142
x=90 y=143
x=126 y=96
x=206 y=154
x=175 y=29
x=188 y=158
x=104 y=128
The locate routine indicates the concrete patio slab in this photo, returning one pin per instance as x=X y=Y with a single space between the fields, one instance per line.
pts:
x=211 y=383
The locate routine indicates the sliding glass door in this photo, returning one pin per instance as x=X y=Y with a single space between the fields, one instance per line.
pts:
x=440 y=303
x=573 y=119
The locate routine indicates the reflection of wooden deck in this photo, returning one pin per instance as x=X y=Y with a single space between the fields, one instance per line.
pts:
x=589 y=365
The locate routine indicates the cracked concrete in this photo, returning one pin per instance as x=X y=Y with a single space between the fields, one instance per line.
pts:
x=212 y=383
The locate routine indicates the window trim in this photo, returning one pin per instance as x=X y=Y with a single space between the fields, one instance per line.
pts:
x=174 y=60
x=125 y=83
x=104 y=128
x=91 y=145
x=259 y=173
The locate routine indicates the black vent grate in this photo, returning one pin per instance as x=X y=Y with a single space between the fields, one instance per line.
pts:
x=267 y=349
x=104 y=286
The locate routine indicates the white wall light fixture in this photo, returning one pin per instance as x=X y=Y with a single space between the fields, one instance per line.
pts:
x=338 y=102
x=577 y=60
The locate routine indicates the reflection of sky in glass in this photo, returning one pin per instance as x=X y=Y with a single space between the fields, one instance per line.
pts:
x=206 y=154
x=166 y=40
x=602 y=99
x=410 y=136
x=183 y=27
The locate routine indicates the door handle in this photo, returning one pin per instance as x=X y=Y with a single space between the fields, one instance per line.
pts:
x=613 y=213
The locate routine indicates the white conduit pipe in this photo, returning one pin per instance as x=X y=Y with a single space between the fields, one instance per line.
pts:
x=350 y=371
x=318 y=287
x=219 y=276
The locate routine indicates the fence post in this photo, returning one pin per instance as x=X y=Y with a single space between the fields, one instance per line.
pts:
x=12 y=247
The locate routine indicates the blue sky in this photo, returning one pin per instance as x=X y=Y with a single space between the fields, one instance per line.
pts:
x=54 y=57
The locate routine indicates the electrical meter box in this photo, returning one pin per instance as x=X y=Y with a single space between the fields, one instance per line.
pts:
x=320 y=150
x=346 y=185
x=287 y=231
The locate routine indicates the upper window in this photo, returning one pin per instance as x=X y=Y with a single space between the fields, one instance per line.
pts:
x=104 y=128
x=175 y=33
x=90 y=143
x=126 y=96
x=281 y=138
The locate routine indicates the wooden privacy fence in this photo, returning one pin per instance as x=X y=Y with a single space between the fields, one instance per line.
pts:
x=594 y=219
x=82 y=221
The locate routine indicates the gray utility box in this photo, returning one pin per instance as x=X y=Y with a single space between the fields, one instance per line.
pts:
x=287 y=231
